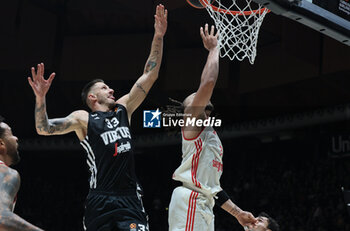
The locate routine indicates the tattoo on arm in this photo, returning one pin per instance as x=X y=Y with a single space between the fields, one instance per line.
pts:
x=155 y=55
x=235 y=210
x=40 y=117
x=8 y=190
x=9 y=187
x=58 y=125
x=150 y=65
x=43 y=124
x=139 y=86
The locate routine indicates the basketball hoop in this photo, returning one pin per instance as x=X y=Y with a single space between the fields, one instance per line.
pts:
x=238 y=25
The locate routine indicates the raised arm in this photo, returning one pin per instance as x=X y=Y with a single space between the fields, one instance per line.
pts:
x=209 y=74
x=150 y=74
x=9 y=186
x=76 y=121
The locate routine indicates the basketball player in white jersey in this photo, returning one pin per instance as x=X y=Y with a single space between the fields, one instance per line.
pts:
x=9 y=182
x=191 y=206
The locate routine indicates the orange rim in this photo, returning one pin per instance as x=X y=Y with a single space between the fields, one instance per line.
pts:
x=188 y=1
x=205 y=2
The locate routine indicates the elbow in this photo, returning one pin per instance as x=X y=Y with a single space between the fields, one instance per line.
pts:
x=41 y=132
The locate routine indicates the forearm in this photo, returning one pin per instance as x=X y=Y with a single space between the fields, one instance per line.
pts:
x=41 y=119
x=211 y=68
x=231 y=208
x=154 y=60
x=12 y=222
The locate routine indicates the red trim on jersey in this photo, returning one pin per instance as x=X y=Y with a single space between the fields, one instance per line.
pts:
x=183 y=134
x=191 y=211
x=195 y=161
x=1 y=162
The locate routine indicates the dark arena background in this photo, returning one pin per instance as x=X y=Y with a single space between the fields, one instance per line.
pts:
x=285 y=130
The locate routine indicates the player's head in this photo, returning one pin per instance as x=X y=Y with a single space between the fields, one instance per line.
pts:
x=208 y=109
x=97 y=92
x=265 y=223
x=8 y=144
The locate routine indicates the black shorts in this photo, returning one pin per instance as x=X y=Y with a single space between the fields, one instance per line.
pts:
x=111 y=212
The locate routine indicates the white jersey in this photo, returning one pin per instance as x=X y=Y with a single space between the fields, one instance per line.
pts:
x=201 y=166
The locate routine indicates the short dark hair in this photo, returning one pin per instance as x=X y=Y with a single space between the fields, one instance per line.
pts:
x=87 y=88
x=273 y=225
x=2 y=130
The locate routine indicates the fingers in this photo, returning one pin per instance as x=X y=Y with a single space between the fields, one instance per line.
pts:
x=52 y=76
x=42 y=69
x=206 y=31
x=212 y=30
x=30 y=81
x=160 y=10
x=33 y=73
x=201 y=32
x=38 y=75
x=38 y=71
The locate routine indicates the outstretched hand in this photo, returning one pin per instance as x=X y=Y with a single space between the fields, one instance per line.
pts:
x=39 y=84
x=160 y=23
x=246 y=219
x=210 y=40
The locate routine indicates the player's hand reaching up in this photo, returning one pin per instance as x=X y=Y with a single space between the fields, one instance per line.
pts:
x=39 y=84
x=210 y=40
x=160 y=20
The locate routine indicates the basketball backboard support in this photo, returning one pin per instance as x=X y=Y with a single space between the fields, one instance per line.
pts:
x=330 y=17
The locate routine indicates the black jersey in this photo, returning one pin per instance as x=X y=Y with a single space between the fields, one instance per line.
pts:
x=109 y=151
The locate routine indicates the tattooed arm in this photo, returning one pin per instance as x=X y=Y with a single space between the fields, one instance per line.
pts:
x=150 y=74
x=243 y=217
x=10 y=182
x=76 y=121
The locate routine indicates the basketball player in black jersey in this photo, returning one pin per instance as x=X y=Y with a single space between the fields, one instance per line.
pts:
x=10 y=182
x=114 y=201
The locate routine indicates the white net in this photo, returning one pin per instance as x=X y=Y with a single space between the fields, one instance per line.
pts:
x=238 y=31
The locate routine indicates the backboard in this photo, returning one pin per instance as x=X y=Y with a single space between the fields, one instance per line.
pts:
x=330 y=17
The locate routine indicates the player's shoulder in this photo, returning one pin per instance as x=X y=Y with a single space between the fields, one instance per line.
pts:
x=123 y=100
x=80 y=115
x=7 y=172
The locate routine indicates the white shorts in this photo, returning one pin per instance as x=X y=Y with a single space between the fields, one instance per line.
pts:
x=190 y=211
